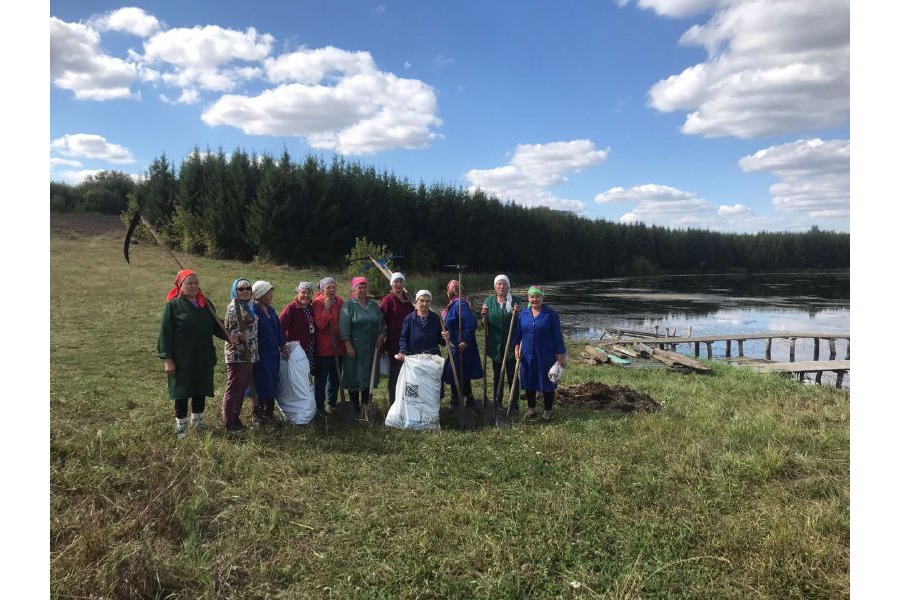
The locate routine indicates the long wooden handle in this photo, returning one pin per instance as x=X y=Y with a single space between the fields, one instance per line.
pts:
x=388 y=274
x=337 y=363
x=452 y=362
x=372 y=373
x=512 y=325
x=512 y=388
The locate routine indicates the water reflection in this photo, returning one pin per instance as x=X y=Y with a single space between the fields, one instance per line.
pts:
x=710 y=304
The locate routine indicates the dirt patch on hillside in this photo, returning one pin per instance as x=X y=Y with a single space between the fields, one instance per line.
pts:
x=596 y=395
x=85 y=223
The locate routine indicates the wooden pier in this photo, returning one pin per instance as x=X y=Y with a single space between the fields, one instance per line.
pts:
x=817 y=366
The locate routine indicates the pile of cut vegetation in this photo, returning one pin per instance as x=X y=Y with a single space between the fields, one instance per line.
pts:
x=599 y=396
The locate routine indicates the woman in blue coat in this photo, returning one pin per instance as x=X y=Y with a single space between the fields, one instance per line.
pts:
x=470 y=366
x=271 y=344
x=539 y=344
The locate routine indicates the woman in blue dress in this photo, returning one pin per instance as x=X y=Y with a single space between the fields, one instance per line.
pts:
x=469 y=367
x=271 y=344
x=539 y=344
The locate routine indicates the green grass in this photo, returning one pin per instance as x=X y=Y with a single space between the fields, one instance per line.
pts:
x=737 y=488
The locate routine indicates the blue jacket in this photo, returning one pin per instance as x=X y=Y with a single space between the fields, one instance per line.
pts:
x=471 y=360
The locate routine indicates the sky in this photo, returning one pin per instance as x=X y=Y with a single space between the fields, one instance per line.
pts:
x=727 y=115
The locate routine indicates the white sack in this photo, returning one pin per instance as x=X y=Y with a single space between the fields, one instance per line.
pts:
x=417 y=401
x=295 y=394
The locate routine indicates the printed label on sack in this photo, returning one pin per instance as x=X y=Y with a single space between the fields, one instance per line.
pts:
x=412 y=390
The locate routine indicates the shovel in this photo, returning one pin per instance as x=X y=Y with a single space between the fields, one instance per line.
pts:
x=343 y=409
x=502 y=420
x=370 y=411
x=488 y=409
x=464 y=415
x=510 y=413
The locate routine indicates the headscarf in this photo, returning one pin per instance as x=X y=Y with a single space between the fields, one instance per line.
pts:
x=245 y=304
x=261 y=288
x=508 y=305
x=397 y=275
x=303 y=285
x=460 y=291
x=175 y=292
x=423 y=293
x=320 y=295
x=535 y=290
x=356 y=281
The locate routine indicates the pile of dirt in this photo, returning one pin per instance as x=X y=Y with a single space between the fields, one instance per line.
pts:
x=599 y=396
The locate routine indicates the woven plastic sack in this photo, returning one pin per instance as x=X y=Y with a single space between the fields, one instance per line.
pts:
x=295 y=393
x=417 y=401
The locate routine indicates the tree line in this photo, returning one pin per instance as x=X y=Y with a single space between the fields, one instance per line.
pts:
x=243 y=205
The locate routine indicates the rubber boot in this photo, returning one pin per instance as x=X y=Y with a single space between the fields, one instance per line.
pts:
x=181 y=427
x=197 y=422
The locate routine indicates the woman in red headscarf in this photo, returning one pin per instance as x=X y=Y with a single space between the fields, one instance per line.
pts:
x=185 y=344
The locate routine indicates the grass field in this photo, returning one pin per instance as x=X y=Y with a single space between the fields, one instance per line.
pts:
x=738 y=488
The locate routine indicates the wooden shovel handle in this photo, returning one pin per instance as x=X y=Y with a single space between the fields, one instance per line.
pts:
x=452 y=362
x=512 y=326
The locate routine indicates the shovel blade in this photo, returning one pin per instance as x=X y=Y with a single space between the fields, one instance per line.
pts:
x=490 y=412
x=370 y=411
x=500 y=419
x=465 y=418
x=345 y=412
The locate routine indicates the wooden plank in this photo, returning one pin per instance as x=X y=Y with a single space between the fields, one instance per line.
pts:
x=740 y=347
x=816 y=349
x=793 y=347
x=769 y=349
x=727 y=348
x=709 y=350
x=626 y=351
x=596 y=354
x=809 y=365
x=681 y=360
x=663 y=357
x=833 y=351
x=644 y=349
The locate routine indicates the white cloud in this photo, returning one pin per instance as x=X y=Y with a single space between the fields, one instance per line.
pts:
x=187 y=96
x=78 y=64
x=129 y=20
x=199 y=55
x=534 y=169
x=773 y=67
x=737 y=209
x=88 y=145
x=662 y=205
x=76 y=177
x=674 y=8
x=56 y=161
x=337 y=100
x=815 y=176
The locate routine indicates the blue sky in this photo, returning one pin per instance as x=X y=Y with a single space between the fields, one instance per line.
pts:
x=727 y=115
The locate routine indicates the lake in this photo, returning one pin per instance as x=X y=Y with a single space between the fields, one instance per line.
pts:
x=710 y=304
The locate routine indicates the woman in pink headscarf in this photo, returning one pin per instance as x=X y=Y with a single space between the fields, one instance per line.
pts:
x=361 y=328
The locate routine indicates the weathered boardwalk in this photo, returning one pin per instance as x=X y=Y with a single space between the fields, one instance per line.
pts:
x=840 y=367
x=740 y=338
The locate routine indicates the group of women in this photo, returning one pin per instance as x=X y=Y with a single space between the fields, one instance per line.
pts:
x=341 y=340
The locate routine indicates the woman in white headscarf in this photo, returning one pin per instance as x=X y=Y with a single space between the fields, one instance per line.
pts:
x=496 y=315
